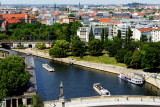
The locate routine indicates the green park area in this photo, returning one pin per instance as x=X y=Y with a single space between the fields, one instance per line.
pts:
x=105 y=59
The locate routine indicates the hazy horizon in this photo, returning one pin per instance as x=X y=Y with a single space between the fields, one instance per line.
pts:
x=77 y=1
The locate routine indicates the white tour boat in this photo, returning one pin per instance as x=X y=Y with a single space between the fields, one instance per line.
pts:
x=131 y=79
x=47 y=67
x=100 y=90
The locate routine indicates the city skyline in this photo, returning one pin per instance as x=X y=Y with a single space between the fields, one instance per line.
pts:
x=76 y=2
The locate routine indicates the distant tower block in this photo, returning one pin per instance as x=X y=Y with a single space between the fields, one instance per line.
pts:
x=55 y=7
x=79 y=6
x=61 y=97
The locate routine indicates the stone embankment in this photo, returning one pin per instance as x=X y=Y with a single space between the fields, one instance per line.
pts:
x=104 y=67
x=105 y=101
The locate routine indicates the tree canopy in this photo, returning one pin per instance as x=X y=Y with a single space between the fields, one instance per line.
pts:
x=113 y=45
x=91 y=37
x=78 y=46
x=151 y=55
x=59 y=49
x=95 y=47
x=38 y=31
x=13 y=76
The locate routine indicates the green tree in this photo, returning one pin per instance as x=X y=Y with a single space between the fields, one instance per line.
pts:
x=128 y=58
x=106 y=34
x=91 y=37
x=133 y=45
x=75 y=25
x=136 y=59
x=59 y=49
x=37 y=101
x=143 y=38
x=111 y=12
x=150 y=55
x=144 y=16
x=80 y=17
x=120 y=55
x=151 y=18
x=71 y=15
x=102 y=36
x=95 y=47
x=119 y=33
x=41 y=45
x=113 y=45
x=20 y=46
x=128 y=35
x=78 y=46
x=57 y=52
x=3 y=36
x=13 y=76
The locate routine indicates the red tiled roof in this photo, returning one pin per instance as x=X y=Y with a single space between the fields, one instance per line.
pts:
x=17 y=16
x=115 y=22
x=149 y=29
x=55 y=13
x=12 y=20
x=6 y=16
x=92 y=14
x=106 y=20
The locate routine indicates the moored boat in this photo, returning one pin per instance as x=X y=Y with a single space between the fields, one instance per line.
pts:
x=100 y=90
x=48 y=67
x=131 y=79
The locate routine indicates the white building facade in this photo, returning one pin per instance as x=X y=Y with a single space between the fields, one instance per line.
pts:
x=152 y=33
x=83 y=32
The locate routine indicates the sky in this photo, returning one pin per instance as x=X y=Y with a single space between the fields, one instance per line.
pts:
x=77 y=1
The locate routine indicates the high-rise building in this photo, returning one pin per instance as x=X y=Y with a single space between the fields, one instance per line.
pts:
x=79 y=6
x=55 y=7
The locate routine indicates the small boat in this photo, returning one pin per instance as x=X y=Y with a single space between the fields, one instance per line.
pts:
x=100 y=90
x=48 y=67
x=131 y=79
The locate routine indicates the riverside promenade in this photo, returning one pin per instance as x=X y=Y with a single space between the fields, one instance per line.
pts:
x=106 y=101
x=104 y=67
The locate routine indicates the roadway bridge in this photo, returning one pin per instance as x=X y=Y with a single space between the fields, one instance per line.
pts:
x=103 y=101
x=26 y=43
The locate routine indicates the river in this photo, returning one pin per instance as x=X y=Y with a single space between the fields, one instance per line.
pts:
x=78 y=81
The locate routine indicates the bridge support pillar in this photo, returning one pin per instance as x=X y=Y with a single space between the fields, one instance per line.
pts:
x=5 y=103
x=24 y=100
x=11 y=103
x=16 y=102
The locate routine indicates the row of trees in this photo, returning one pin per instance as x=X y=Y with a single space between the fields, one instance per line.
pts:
x=38 y=31
x=61 y=47
x=135 y=54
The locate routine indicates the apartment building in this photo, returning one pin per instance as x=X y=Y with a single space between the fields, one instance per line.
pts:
x=83 y=32
x=151 y=32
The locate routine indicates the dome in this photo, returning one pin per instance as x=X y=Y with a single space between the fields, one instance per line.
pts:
x=35 y=9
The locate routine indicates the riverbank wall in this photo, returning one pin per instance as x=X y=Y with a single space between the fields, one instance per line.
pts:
x=103 y=67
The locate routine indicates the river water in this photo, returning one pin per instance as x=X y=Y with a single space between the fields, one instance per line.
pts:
x=78 y=81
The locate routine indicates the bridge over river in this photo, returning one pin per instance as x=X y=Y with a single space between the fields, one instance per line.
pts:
x=102 y=101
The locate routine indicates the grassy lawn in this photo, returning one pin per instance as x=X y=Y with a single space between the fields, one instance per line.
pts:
x=44 y=50
x=105 y=59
